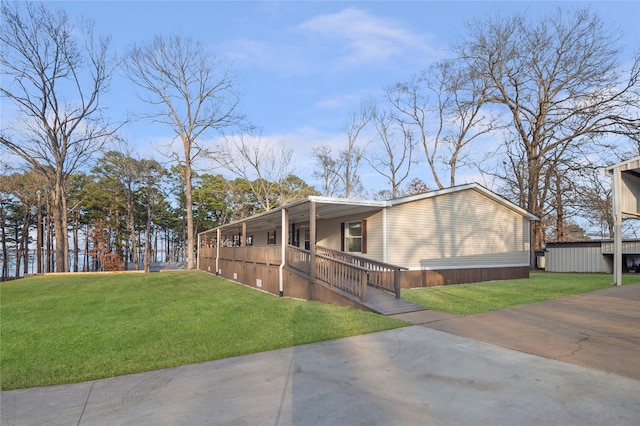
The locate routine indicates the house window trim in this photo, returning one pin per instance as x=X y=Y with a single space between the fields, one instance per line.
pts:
x=272 y=239
x=363 y=236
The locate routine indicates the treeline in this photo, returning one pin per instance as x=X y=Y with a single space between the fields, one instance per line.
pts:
x=126 y=212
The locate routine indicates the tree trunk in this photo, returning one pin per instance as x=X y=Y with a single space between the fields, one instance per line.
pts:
x=85 y=264
x=147 y=243
x=189 y=205
x=25 y=241
x=132 y=230
x=18 y=255
x=5 y=252
x=76 y=242
x=60 y=226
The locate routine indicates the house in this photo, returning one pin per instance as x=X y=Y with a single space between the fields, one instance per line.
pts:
x=333 y=249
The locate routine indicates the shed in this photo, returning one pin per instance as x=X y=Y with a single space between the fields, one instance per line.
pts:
x=591 y=256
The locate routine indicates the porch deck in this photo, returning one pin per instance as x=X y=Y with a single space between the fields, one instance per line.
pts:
x=387 y=304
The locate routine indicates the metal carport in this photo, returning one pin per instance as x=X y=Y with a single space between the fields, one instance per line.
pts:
x=626 y=201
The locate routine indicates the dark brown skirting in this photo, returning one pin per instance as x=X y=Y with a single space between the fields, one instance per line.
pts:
x=423 y=278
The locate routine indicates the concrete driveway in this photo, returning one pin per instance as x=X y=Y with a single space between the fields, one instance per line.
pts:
x=410 y=376
x=599 y=330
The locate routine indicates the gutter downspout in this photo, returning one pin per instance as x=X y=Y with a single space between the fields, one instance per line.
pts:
x=384 y=235
x=218 y=250
x=283 y=261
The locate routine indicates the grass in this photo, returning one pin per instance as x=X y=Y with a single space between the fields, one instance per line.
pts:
x=466 y=299
x=72 y=328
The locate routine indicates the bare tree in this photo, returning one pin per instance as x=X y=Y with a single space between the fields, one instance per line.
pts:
x=56 y=82
x=443 y=106
x=396 y=146
x=559 y=83
x=265 y=166
x=461 y=116
x=596 y=202
x=326 y=170
x=193 y=93
x=412 y=107
x=349 y=159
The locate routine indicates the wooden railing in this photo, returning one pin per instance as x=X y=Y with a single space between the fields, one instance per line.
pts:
x=343 y=275
x=268 y=255
x=337 y=269
x=334 y=272
x=381 y=275
x=299 y=259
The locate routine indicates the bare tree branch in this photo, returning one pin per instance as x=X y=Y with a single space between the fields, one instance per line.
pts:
x=193 y=93
x=56 y=85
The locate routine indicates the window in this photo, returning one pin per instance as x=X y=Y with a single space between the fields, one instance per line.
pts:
x=271 y=238
x=353 y=237
x=307 y=239
x=249 y=240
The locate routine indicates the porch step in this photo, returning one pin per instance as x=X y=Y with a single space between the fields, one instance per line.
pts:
x=386 y=304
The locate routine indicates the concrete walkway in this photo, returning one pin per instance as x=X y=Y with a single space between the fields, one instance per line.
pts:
x=410 y=376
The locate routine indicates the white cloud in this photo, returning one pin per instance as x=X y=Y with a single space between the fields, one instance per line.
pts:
x=331 y=42
x=367 y=39
x=281 y=57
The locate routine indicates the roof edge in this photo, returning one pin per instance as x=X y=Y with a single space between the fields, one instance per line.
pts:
x=632 y=163
x=468 y=186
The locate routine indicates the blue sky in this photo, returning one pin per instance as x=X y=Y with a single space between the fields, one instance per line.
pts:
x=303 y=66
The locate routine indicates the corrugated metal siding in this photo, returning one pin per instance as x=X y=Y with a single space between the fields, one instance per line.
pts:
x=628 y=247
x=630 y=193
x=462 y=229
x=575 y=259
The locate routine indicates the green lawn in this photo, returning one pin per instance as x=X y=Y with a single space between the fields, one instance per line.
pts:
x=71 y=328
x=468 y=299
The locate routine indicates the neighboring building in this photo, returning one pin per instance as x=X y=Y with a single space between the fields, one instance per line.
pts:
x=460 y=234
x=591 y=256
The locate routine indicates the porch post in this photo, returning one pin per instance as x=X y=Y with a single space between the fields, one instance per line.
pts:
x=218 y=236
x=199 y=252
x=283 y=243
x=312 y=240
x=617 y=227
x=243 y=237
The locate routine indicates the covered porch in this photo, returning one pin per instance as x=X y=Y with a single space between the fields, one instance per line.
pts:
x=277 y=252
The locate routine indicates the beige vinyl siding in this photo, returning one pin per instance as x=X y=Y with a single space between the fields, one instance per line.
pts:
x=259 y=237
x=374 y=237
x=328 y=234
x=459 y=230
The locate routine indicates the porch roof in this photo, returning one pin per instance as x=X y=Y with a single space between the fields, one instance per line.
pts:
x=299 y=212
x=329 y=208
